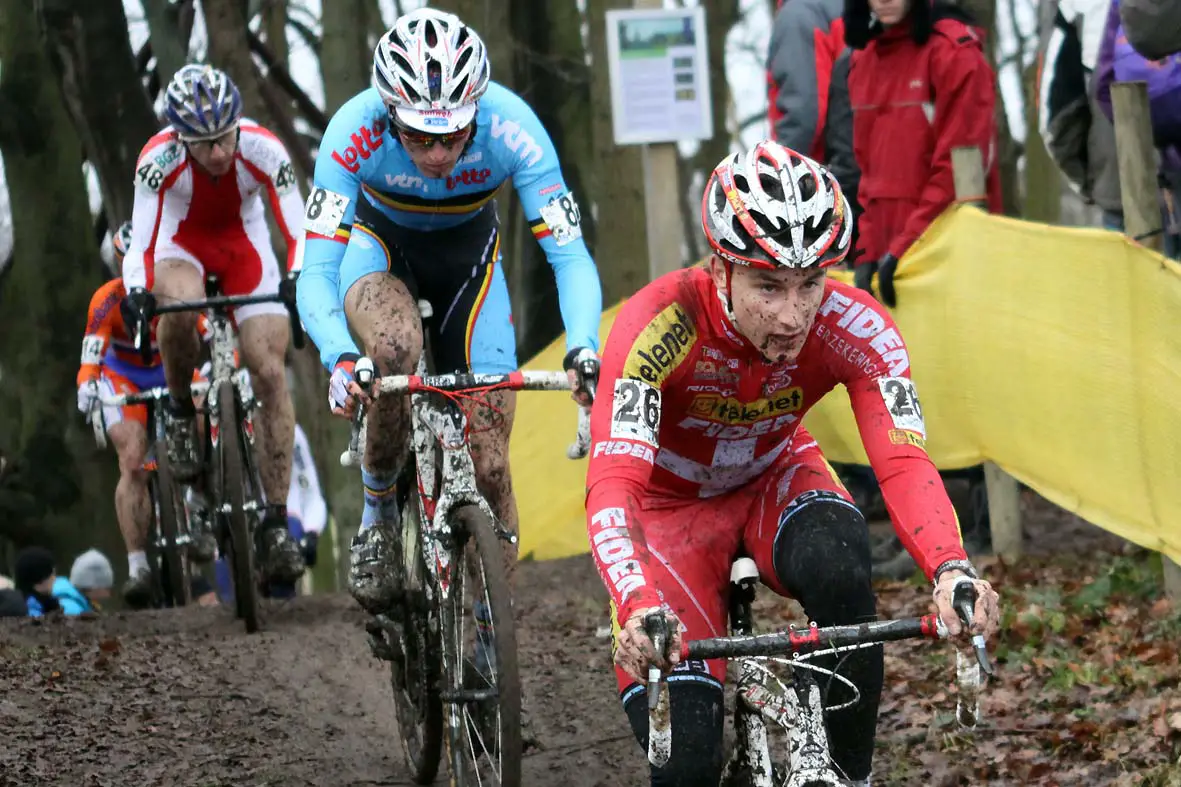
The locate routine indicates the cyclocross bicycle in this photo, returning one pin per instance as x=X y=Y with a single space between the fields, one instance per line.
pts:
x=169 y=539
x=450 y=671
x=778 y=683
x=229 y=466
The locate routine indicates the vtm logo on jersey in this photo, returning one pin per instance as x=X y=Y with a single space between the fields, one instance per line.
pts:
x=863 y=322
x=728 y=410
x=661 y=347
x=366 y=140
x=469 y=177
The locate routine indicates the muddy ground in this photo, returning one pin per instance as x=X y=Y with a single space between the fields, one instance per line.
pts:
x=187 y=698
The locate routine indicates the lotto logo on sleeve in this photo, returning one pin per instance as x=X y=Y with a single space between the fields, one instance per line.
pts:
x=661 y=347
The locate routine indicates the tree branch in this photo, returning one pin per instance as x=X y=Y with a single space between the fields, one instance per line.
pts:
x=311 y=113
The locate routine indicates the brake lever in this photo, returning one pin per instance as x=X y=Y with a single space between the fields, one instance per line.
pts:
x=364 y=373
x=659 y=718
x=963 y=600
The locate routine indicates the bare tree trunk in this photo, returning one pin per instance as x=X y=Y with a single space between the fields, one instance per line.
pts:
x=1043 y=183
x=720 y=17
x=61 y=494
x=274 y=23
x=171 y=24
x=618 y=185
x=89 y=50
x=346 y=59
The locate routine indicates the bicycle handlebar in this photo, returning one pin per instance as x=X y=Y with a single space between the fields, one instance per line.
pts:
x=815 y=640
x=454 y=383
x=219 y=302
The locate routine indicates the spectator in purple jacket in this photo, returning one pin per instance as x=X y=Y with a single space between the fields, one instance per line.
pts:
x=1119 y=61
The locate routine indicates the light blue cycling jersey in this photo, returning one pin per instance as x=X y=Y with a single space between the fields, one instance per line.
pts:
x=360 y=158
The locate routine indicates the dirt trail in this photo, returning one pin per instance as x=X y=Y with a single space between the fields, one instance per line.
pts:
x=187 y=698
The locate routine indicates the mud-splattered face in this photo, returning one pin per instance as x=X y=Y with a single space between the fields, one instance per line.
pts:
x=773 y=309
x=890 y=12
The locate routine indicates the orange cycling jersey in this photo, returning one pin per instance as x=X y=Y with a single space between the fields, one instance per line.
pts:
x=108 y=342
x=696 y=412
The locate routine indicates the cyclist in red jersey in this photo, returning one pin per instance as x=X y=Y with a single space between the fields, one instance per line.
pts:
x=200 y=188
x=699 y=455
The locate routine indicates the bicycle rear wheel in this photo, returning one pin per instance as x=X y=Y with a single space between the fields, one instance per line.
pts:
x=175 y=571
x=482 y=706
x=415 y=670
x=232 y=491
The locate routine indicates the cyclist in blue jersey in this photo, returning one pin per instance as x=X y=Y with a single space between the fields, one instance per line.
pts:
x=402 y=209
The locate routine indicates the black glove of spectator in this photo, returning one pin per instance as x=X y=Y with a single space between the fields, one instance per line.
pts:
x=863 y=276
x=886 y=267
x=308 y=546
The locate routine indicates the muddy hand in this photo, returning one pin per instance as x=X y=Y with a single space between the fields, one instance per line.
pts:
x=634 y=651
x=985 y=613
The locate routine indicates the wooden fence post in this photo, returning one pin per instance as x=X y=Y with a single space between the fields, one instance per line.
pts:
x=1004 y=495
x=1142 y=214
x=662 y=198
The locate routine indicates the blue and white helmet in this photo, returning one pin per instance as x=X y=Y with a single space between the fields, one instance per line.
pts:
x=202 y=102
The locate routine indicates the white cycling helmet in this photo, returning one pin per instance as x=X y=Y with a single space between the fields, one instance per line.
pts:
x=430 y=69
x=202 y=102
x=121 y=240
x=772 y=207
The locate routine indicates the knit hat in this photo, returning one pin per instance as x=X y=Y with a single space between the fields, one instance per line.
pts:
x=34 y=565
x=92 y=571
x=5 y=583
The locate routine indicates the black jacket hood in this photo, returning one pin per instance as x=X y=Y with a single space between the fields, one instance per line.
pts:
x=860 y=28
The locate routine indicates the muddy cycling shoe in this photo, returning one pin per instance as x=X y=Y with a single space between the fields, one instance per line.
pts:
x=180 y=428
x=137 y=590
x=372 y=578
x=202 y=543
x=281 y=560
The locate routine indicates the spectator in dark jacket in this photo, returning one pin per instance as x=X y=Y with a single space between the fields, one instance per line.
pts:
x=43 y=589
x=920 y=86
x=807 y=87
x=1079 y=137
x=12 y=603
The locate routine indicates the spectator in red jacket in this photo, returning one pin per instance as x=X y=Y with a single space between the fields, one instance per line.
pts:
x=920 y=85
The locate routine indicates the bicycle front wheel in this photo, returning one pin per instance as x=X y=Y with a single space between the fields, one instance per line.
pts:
x=233 y=492
x=416 y=666
x=175 y=571
x=482 y=694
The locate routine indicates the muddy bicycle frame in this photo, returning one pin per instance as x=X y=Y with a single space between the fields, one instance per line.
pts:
x=166 y=550
x=797 y=705
x=237 y=492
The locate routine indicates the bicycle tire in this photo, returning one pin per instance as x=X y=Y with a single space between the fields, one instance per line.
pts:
x=175 y=568
x=233 y=492
x=417 y=702
x=473 y=527
x=150 y=549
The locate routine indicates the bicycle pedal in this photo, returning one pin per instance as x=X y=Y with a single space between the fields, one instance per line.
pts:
x=379 y=647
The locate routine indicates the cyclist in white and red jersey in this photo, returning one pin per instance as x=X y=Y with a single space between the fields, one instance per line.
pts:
x=700 y=455
x=200 y=186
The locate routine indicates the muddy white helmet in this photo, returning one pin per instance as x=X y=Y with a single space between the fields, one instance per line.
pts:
x=202 y=102
x=431 y=68
x=772 y=207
